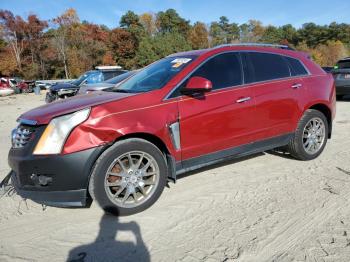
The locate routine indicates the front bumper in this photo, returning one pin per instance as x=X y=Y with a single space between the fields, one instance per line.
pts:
x=54 y=180
x=68 y=198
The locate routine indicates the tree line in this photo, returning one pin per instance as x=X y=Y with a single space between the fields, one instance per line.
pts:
x=65 y=46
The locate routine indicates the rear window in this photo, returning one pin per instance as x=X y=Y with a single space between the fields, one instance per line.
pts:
x=266 y=67
x=343 y=64
x=296 y=67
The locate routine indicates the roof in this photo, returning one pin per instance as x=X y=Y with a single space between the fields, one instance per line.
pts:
x=344 y=59
x=233 y=46
x=190 y=53
x=108 y=67
x=257 y=45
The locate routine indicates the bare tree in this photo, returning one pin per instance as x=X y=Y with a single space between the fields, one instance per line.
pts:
x=63 y=25
x=12 y=30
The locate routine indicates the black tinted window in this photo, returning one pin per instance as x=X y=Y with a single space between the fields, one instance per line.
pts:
x=296 y=67
x=267 y=67
x=343 y=64
x=223 y=71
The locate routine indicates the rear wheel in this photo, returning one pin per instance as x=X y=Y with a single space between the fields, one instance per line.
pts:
x=128 y=177
x=310 y=137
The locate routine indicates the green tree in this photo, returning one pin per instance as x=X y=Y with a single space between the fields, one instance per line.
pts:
x=313 y=34
x=217 y=34
x=129 y=19
x=170 y=21
x=272 y=35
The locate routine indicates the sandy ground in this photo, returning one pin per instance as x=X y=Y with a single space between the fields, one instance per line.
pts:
x=266 y=207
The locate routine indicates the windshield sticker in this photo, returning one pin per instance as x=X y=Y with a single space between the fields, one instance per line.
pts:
x=180 y=61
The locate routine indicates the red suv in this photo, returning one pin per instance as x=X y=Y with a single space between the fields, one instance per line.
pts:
x=180 y=113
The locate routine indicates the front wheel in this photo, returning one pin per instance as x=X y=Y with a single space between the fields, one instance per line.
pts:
x=128 y=177
x=311 y=136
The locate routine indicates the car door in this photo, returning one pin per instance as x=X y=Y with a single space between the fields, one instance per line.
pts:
x=277 y=94
x=220 y=119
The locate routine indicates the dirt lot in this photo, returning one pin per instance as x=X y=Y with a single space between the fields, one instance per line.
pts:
x=263 y=208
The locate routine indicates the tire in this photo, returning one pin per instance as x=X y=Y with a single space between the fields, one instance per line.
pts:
x=296 y=146
x=127 y=180
x=17 y=90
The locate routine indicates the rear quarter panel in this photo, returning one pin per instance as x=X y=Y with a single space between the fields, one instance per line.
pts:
x=320 y=86
x=321 y=90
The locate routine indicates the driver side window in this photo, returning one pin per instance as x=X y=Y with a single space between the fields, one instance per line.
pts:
x=223 y=70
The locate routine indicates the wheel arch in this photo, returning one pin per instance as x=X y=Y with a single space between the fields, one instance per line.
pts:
x=328 y=114
x=159 y=143
x=149 y=137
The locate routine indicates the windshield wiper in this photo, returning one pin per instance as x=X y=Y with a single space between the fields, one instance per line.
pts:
x=121 y=91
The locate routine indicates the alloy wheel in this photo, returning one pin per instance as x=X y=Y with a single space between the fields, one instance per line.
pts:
x=131 y=179
x=314 y=135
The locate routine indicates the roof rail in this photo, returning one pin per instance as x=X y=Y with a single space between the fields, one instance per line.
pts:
x=108 y=67
x=258 y=44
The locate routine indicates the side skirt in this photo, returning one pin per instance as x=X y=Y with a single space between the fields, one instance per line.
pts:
x=232 y=153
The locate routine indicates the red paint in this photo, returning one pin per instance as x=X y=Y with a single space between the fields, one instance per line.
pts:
x=208 y=123
x=198 y=83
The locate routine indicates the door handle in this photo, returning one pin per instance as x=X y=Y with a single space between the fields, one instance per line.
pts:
x=296 y=86
x=243 y=99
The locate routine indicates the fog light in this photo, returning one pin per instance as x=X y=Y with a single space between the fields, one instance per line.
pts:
x=41 y=179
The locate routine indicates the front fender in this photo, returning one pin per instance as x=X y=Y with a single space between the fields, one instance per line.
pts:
x=105 y=126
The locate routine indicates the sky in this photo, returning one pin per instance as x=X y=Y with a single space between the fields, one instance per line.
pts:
x=275 y=12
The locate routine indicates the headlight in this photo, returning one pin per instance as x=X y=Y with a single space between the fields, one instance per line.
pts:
x=57 y=131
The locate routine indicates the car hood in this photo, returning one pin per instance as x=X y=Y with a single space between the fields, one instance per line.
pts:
x=94 y=87
x=59 y=86
x=43 y=114
x=102 y=84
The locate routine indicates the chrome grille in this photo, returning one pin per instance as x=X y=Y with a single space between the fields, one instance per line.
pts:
x=21 y=136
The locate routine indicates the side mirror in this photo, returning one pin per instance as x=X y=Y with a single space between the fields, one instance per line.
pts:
x=198 y=84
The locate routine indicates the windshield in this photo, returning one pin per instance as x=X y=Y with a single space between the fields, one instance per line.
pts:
x=119 y=78
x=83 y=77
x=343 y=64
x=156 y=75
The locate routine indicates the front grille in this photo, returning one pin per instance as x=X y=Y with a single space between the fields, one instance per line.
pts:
x=21 y=136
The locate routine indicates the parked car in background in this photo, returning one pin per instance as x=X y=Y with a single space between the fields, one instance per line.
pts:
x=341 y=74
x=328 y=69
x=46 y=84
x=24 y=86
x=183 y=112
x=17 y=84
x=69 y=89
x=6 y=87
x=88 y=88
